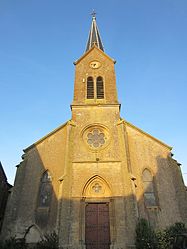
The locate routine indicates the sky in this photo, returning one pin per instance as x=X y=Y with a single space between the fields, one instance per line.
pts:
x=40 y=40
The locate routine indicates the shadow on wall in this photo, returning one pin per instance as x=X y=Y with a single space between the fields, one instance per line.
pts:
x=32 y=207
x=164 y=198
x=41 y=202
x=172 y=189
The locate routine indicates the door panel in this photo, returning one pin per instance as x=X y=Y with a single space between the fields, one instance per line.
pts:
x=97 y=227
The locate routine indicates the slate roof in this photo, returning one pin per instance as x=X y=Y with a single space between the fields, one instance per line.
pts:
x=94 y=36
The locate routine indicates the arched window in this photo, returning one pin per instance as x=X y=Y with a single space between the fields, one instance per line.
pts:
x=149 y=190
x=45 y=190
x=100 y=88
x=90 y=88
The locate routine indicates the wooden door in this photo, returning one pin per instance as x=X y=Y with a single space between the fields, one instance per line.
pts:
x=97 y=227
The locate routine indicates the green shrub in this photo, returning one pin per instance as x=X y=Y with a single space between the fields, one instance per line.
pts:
x=50 y=241
x=145 y=236
x=166 y=237
x=163 y=240
x=13 y=243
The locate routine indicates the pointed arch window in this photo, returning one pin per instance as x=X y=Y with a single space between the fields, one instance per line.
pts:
x=95 y=88
x=45 y=190
x=100 y=88
x=90 y=88
x=149 y=189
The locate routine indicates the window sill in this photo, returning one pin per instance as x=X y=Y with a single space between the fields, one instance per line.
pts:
x=43 y=209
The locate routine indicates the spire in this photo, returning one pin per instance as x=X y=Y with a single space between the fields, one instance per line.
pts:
x=94 y=36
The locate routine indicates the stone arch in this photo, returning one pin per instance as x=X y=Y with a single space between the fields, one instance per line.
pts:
x=90 y=87
x=149 y=188
x=100 y=88
x=45 y=190
x=95 y=187
x=147 y=170
x=33 y=234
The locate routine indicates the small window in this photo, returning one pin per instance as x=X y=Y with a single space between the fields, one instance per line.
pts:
x=149 y=193
x=90 y=88
x=100 y=88
x=45 y=190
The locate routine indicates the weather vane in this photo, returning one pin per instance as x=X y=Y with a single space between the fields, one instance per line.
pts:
x=93 y=13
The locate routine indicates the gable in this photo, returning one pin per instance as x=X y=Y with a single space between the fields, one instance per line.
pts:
x=143 y=133
x=85 y=69
x=47 y=136
x=2 y=173
x=95 y=50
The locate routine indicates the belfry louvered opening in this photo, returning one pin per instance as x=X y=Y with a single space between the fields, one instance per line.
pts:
x=90 y=88
x=100 y=88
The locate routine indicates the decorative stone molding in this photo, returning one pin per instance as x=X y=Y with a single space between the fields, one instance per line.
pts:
x=96 y=187
x=96 y=136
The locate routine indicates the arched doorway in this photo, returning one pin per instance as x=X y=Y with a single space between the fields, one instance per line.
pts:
x=97 y=195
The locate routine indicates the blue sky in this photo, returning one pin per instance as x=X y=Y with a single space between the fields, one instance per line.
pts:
x=40 y=40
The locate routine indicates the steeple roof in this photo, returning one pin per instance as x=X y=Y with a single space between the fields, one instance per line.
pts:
x=94 y=36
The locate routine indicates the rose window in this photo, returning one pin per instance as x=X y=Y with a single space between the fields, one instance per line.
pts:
x=96 y=138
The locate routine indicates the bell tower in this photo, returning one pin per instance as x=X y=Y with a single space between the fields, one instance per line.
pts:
x=98 y=151
x=95 y=81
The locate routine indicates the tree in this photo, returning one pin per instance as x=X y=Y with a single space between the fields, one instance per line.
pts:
x=145 y=235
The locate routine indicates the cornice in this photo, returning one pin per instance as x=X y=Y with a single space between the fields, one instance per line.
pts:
x=146 y=134
x=45 y=137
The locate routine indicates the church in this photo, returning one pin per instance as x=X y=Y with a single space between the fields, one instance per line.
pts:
x=91 y=179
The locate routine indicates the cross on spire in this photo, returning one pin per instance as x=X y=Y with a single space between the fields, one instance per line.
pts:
x=93 y=14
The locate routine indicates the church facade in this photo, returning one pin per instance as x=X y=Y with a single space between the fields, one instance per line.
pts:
x=91 y=179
